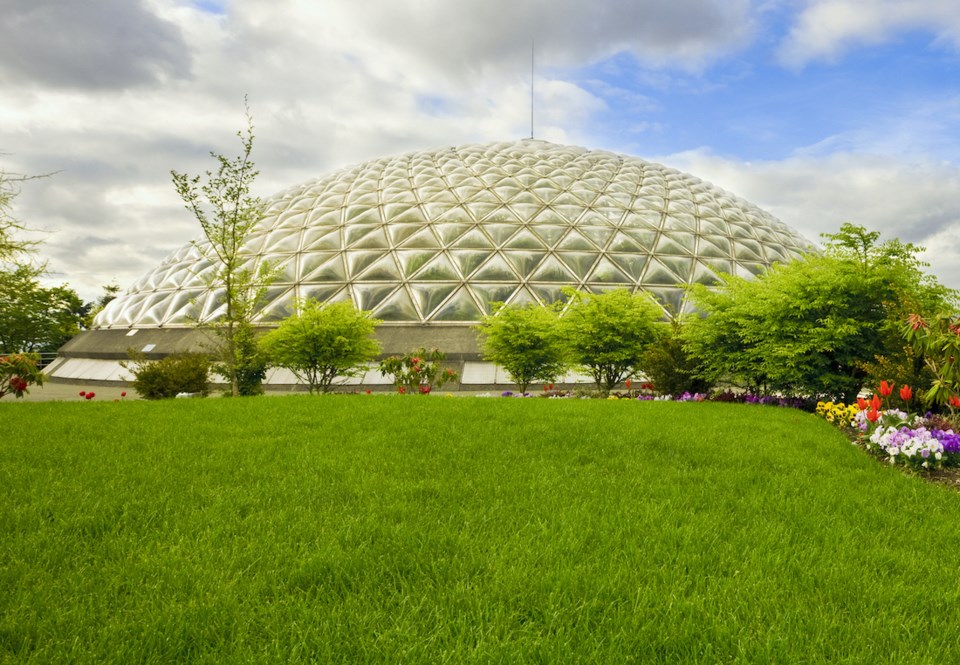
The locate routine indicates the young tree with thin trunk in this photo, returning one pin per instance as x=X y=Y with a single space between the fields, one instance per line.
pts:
x=227 y=213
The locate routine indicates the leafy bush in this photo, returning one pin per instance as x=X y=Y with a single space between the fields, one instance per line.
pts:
x=322 y=342
x=526 y=342
x=249 y=365
x=17 y=372
x=178 y=373
x=670 y=367
x=418 y=372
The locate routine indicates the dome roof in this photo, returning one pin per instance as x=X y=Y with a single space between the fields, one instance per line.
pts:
x=435 y=236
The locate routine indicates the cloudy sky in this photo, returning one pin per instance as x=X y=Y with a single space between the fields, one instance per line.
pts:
x=820 y=111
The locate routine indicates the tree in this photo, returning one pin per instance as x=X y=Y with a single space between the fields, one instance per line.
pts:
x=813 y=326
x=34 y=318
x=13 y=250
x=526 y=342
x=670 y=366
x=110 y=292
x=227 y=213
x=608 y=333
x=322 y=342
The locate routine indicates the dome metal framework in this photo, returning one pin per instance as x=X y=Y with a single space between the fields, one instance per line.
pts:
x=436 y=236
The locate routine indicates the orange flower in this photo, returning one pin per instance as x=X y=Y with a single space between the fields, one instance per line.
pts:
x=628 y=384
x=906 y=392
x=873 y=415
x=916 y=322
x=875 y=403
x=861 y=404
x=886 y=388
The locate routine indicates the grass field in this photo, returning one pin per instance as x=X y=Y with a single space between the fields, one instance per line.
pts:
x=384 y=529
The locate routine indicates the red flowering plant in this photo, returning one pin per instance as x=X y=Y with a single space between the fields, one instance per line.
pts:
x=937 y=341
x=18 y=371
x=418 y=372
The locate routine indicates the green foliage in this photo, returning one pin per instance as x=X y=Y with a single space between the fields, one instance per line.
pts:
x=418 y=372
x=18 y=372
x=227 y=213
x=35 y=318
x=668 y=365
x=811 y=327
x=14 y=251
x=526 y=341
x=250 y=364
x=608 y=333
x=322 y=342
x=937 y=340
x=174 y=374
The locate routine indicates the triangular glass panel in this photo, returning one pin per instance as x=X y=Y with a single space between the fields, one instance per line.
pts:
x=525 y=197
x=624 y=243
x=473 y=239
x=480 y=209
x=579 y=262
x=747 y=250
x=566 y=198
x=749 y=270
x=575 y=241
x=526 y=211
x=330 y=271
x=382 y=269
x=279 y=307
x=668 y=246
x=394 y=210
x=374 y=240
x=607 y=272
x=491 y=293
x=644 y=219
x=680 y=222
x=422 y=239
x=594 y=218
x=400 y=232
x=567 y=214
x=549 y=235
x=632 y=264
x=681 y=267
x=438 y=268
x=285 y=272
x=319 y=292
x=397 y=306
x=718 y=266
x=713 y=227
x=500 y=232
x=552 y=270
x=413 y=215
x=598 y=234
x=320 y=238
x=547 y=293
x=502 y=215
x=411 y=260
x=356 y=214
x=467 y=261
x=367 y=296
x=494 y=269
x=281 y=241
x=460 y=307
x=658 y=274
x=355 y=232
x=357 y=261
x=326 y=218
x=524 y=239
x=523 y=261
x=703 y=275
x=713 y=247
x=450 y=231
x=522 y=297
x=429 y=296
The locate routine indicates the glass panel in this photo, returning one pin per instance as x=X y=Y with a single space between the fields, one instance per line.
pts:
x=552 y=270
x=491 y=293
x=400 y=232
x=422 y=239
x=460 y=307
x=468 y=260
x=745 y=250
x=714 y=247
x=438 y=268
x=393 y=210
x=397 y=307
x=321 y=238
x=523 y=262
x=574 y=241
x=384 y=268
x=524 y=239
x=495 y=268
x=450 y=231
x=548 y=294
x=362 y=215
x=680 y=267
x=606 y=271
x=599 y=235
x=658 y=274
x=429 y=296
x=632 y=264
x=358 y=260
x=623 y=243
x=368 y=296
x=474 y=239
x=549 y=235
x=412 y=260
x=667 y=246
x=579 y=262
x=355 y=232
x=703 y=275
x=500 y=232
x=526 y=211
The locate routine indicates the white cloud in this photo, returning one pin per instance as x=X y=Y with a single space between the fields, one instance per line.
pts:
x=825 y=29
x=915 y=201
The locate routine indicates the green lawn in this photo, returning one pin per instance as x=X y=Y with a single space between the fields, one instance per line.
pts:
x=386 y=529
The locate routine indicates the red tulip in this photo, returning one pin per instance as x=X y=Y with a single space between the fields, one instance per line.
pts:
x=89 y=395
x=628 y=384
x=873 y=415
x=83 y=393
x=886 y=388
x=906 y=392
x=861 y=404
x=875 y=403
x=123 y=394
x=955 y=401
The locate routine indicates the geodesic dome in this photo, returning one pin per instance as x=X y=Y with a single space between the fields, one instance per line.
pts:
x=435 y=236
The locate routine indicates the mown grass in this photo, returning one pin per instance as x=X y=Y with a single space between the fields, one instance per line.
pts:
x=384 y=529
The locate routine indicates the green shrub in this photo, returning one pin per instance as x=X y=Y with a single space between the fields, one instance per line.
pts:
x=178 y=373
